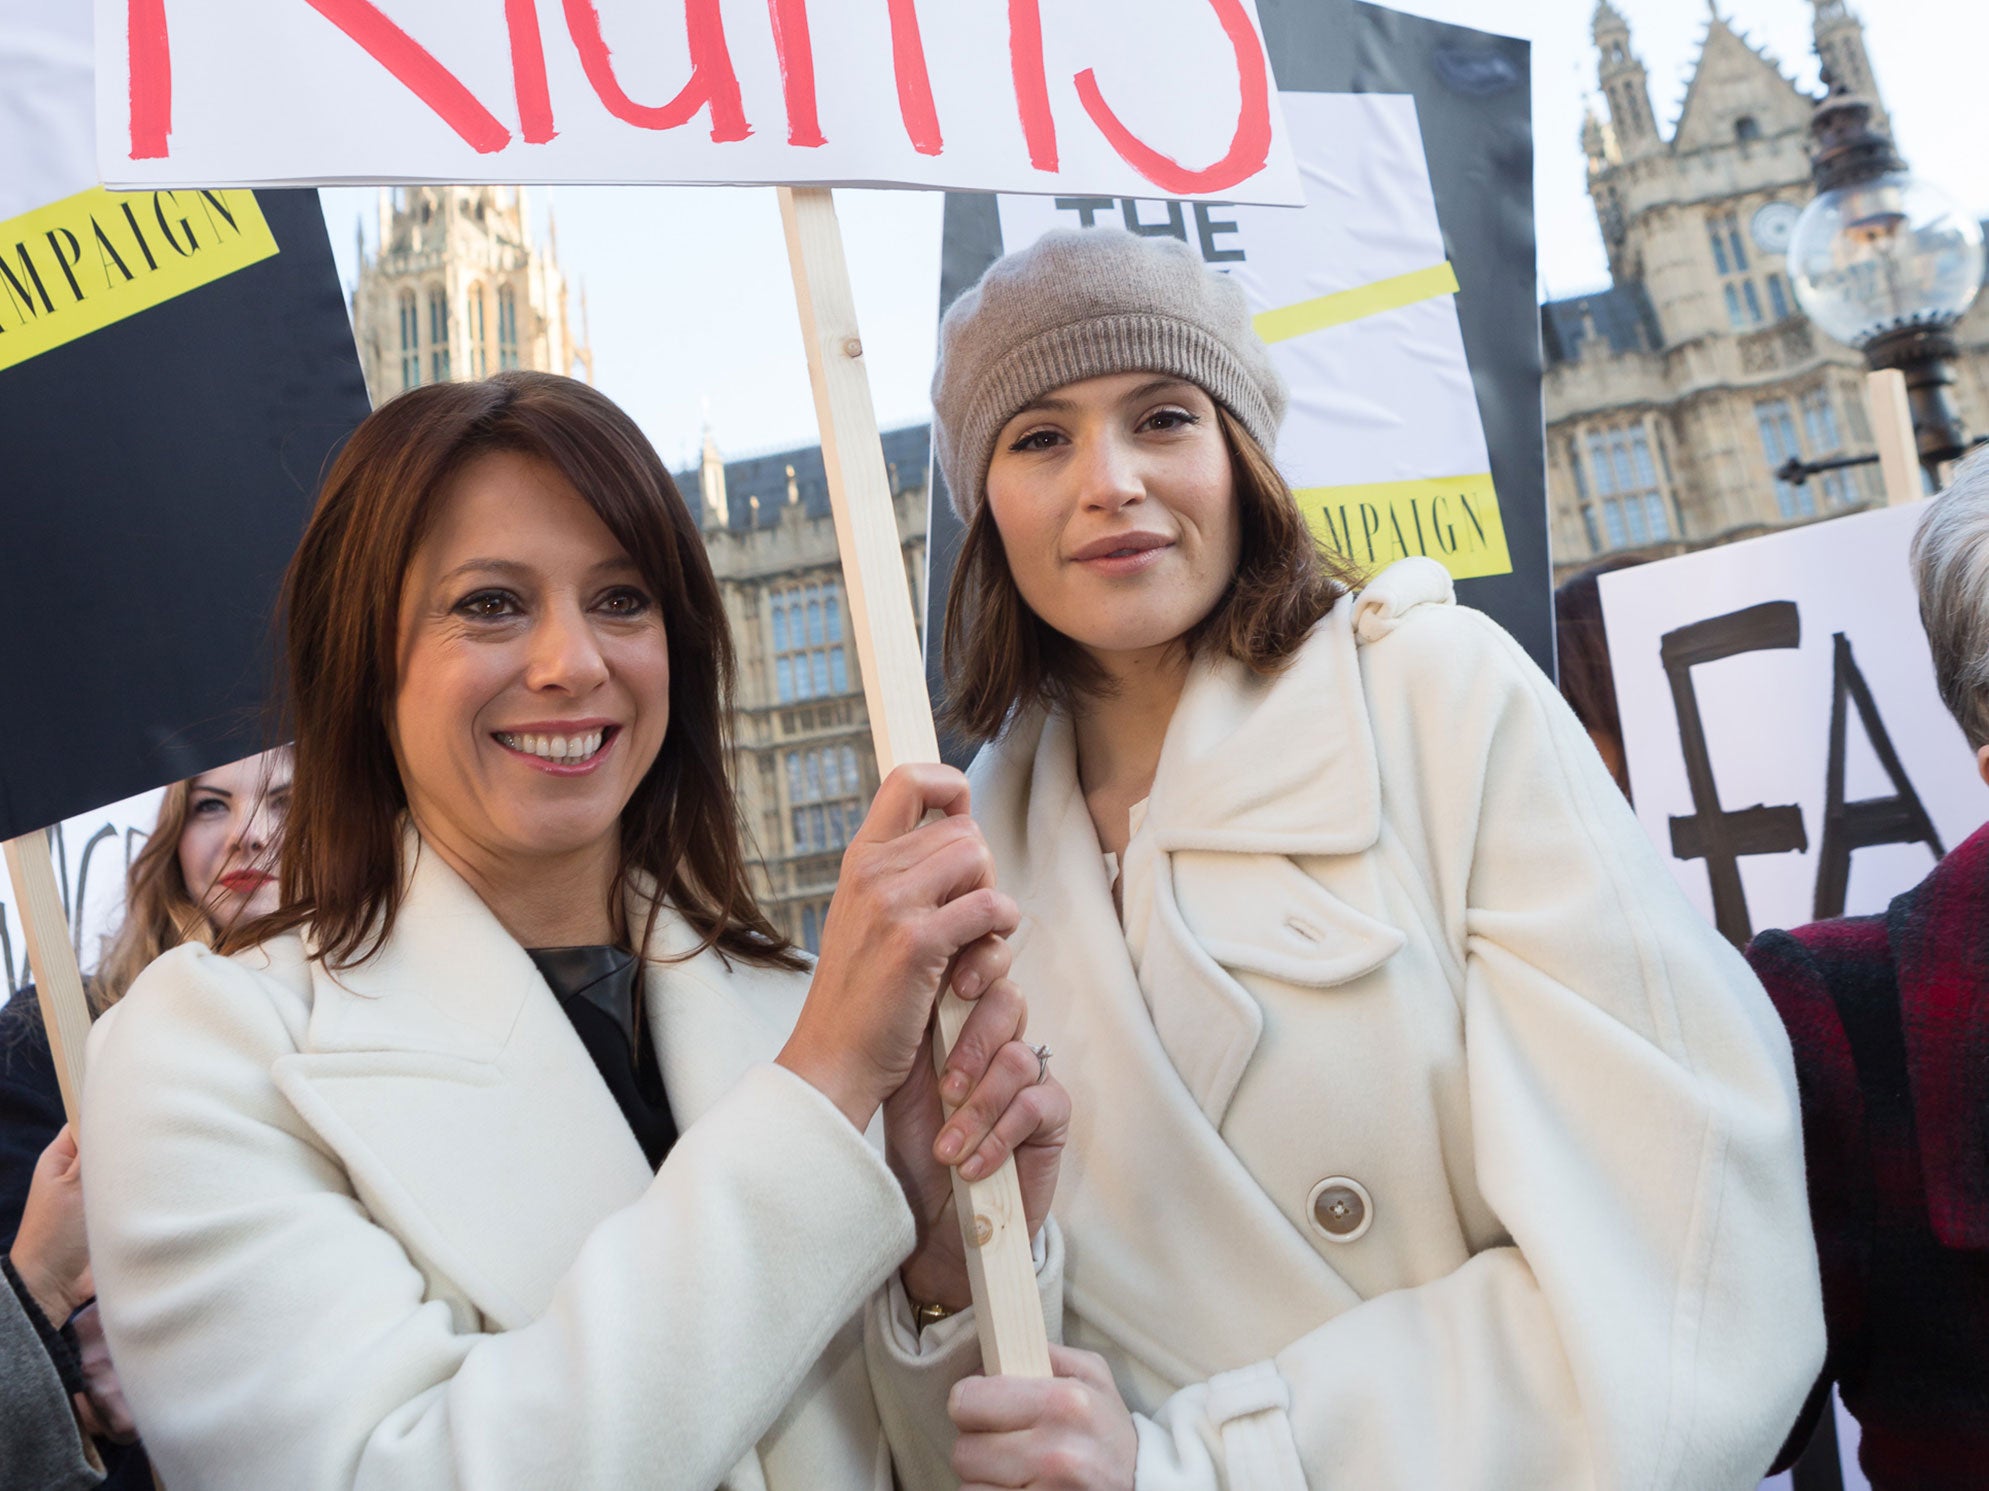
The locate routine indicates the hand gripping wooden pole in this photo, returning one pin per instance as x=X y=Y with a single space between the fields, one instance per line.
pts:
x=1003 y=1275
x=65 y=1011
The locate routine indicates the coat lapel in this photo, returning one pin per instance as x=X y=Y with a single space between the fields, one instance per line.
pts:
x=1141 y=1146
x=710 y=1021
x=1140 y=1141
x=1255 y=772
x=471 y=1120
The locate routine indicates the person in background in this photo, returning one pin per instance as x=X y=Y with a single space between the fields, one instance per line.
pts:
x=1889 y=1017
x=1581 y=655
x=42 y=1443
x=1424 y=1135
x=208 y=865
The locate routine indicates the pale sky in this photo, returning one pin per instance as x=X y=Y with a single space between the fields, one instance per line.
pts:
x=691 y=306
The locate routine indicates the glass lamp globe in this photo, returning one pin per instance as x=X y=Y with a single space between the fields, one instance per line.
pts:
x=1883 y=255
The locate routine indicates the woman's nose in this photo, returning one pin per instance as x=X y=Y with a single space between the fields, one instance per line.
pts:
x=1109 y=474
x=566 y=654
x=258 y=827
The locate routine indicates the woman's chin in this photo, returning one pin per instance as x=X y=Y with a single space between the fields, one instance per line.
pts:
x=563 y=835
x=225 y=910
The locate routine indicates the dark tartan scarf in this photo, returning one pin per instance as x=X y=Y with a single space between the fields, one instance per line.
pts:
x=1889 y=1020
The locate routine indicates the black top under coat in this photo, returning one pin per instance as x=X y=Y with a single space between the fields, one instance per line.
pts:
x=600 y=988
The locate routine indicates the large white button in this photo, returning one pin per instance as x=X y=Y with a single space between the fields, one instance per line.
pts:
x=1340 y=1208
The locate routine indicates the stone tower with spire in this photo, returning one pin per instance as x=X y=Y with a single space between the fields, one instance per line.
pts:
x=1675 y=393
x=457 y=288
x=1840 y=48
x=1626 y=87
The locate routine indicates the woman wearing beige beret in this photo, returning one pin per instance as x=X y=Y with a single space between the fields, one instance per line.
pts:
x=1424 y=1136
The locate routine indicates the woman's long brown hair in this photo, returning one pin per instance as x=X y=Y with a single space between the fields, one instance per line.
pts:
x=341 y=860
x=159 y=911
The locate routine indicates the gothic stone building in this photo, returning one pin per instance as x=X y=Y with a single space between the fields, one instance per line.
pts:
x=1672 y=396
x=458 y=289
x=802 y=757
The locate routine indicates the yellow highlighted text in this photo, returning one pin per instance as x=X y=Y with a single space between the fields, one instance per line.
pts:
x=1351 y=305
x=88 y=261
x=1453 y=520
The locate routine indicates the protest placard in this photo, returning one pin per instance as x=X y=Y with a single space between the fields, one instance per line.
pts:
x=91 y=853
x=1113 y=95
x=1790 y=754
x=175 y=369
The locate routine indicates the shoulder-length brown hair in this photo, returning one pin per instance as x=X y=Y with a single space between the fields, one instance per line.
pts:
x=341 y=864
x=1001 y=657
x=159 y=911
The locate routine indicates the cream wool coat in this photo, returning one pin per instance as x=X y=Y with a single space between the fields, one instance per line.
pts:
x=1387 y=919
x=389 y=1228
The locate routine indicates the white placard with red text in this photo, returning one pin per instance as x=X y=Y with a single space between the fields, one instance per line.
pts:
x=1121 y=97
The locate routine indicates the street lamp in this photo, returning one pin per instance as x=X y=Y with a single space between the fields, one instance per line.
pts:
x=1885 y=262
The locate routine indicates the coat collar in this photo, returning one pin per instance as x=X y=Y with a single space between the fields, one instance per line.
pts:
x=1283 y=764
x=454 y=1091
x=1939 y=934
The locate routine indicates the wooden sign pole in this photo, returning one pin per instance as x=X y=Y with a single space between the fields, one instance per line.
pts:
x=1007 y=1311
x=65 y=1011
x=1892 y=430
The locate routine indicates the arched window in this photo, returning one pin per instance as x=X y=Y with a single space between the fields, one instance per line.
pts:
x=479 y=363
x=410 y=340
x=438 y=336
x=507 y=327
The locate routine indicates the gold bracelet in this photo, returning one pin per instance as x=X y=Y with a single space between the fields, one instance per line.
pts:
x=932 y=1314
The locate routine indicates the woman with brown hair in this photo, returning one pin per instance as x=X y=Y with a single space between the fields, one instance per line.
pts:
x=517 y=1148
x=1424 y=1136
x=208 y=864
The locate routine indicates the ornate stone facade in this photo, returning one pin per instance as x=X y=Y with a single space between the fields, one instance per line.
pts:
x=458 y=289
x=1672 y=396
x=802 y=757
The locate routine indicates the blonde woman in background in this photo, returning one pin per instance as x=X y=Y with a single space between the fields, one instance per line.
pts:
x=209 y=865
x=216 y=831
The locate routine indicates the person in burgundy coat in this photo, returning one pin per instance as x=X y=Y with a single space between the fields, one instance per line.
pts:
x=1889 y=1018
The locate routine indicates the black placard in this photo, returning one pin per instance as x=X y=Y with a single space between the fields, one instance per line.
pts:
x=154 y=478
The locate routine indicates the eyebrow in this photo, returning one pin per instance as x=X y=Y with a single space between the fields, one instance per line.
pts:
x=516 y=568
x=1051 y=404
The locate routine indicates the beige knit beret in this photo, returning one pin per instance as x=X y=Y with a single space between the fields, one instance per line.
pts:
x=1081 y=303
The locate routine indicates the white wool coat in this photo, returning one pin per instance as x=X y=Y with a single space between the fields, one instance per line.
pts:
x=1388 y=921
x=387 y=1227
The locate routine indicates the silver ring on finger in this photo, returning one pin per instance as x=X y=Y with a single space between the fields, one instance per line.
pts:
x=1042 y=1064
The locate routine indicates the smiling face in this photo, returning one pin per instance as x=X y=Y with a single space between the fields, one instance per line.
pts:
x=227 y=846
x=533 y=672
x=1116 y=503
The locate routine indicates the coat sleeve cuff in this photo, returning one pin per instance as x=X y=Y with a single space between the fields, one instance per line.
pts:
x=1233 y=1430
x=912 y=1372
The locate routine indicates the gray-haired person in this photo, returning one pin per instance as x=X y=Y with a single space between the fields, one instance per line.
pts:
x=1889 y=1018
